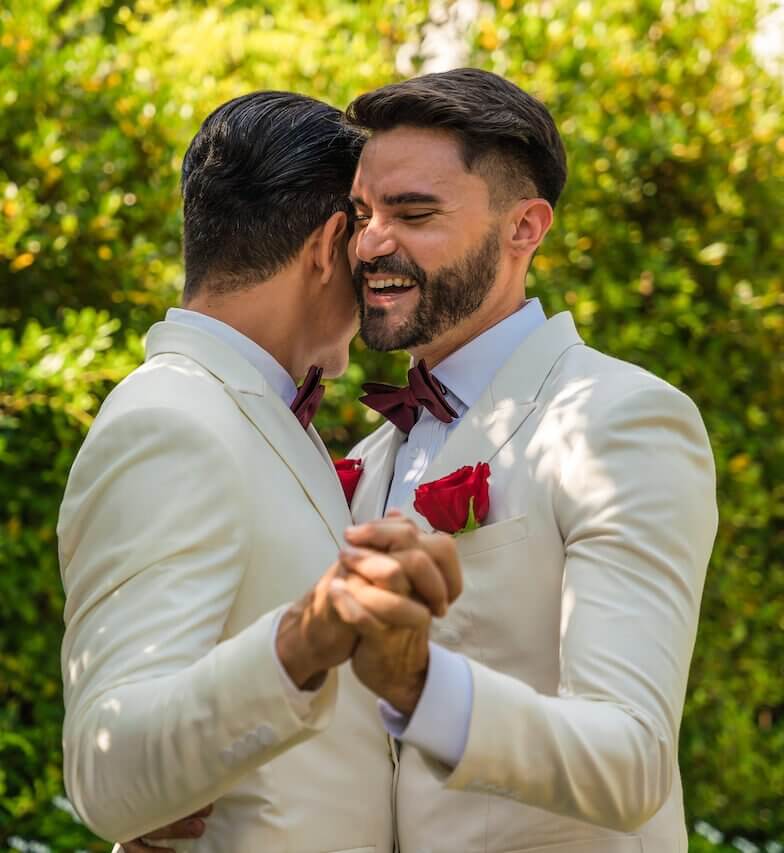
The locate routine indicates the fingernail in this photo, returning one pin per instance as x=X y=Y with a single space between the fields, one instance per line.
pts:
x=337 y=585
x=196 y=826
x=349 y=551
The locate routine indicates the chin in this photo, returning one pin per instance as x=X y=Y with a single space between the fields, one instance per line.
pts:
x=388 y=337
x=335 y=364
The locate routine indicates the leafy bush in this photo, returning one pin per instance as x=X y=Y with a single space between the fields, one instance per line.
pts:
x=667 y=248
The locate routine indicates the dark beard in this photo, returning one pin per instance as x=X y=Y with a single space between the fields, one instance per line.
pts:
x=449 y=296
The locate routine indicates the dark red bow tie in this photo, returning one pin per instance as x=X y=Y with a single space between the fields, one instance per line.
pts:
x=401 y=405
x=308 y=397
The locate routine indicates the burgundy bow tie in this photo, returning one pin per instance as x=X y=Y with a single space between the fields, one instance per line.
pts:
x=308 y=397
x=401 y=405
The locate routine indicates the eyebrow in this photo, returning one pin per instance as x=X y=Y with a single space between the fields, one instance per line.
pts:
x=402 y=198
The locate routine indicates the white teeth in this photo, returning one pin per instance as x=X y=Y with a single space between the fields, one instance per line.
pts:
x=390 y=282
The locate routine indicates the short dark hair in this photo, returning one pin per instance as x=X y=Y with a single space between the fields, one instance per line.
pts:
x=263 y=172
x=506 y=134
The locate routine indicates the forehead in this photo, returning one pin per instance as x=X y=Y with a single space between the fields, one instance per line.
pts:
x=411 y=159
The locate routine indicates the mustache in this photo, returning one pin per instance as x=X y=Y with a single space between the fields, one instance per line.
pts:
x=391 y=265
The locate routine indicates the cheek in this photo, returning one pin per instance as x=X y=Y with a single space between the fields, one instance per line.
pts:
x=430 y=249
x=353 y=260
x=345 y=295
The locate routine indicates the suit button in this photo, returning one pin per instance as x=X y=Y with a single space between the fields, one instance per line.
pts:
x=265 y=736
x=445 y=635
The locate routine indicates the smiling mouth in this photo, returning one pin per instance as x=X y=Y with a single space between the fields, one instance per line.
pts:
x=390 y=286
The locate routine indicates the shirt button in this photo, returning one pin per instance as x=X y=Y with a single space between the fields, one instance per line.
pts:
x=445 y=635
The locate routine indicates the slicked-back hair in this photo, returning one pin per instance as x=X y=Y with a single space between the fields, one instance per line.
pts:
x=263 y=172
x=506 y=135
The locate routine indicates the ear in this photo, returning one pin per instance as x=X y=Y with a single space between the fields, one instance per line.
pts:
x=329 y=245
x=526 y=225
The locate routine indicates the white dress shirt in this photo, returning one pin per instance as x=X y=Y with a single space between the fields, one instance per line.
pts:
x=466 y=373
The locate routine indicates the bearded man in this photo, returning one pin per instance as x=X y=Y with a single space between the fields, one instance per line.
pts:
x=550 y=720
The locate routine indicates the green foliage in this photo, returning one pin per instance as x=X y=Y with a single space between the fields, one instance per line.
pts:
x=666 y=247
x=51 y=385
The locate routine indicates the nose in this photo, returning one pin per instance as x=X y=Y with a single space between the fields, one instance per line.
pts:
x=374 y=241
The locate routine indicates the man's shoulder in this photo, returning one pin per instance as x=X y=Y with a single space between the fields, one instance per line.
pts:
x=169 y=403
x=171 y=382
x=593 y=377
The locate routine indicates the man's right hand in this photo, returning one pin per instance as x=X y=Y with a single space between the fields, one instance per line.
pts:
x=312 y=638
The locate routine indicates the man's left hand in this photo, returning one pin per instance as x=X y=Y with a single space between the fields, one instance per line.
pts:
x=390 y=659
x=387 y=559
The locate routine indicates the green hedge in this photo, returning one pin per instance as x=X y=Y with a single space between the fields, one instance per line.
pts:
x=667 y=248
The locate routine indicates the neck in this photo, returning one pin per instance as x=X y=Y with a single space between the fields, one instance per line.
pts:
x=250 y=311
x=457 y=337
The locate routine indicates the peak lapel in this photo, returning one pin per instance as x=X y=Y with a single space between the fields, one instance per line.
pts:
x=303 y=452
x=511 y=397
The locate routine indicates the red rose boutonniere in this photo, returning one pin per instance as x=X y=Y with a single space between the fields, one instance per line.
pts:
x=349 y=472
x=458 y=502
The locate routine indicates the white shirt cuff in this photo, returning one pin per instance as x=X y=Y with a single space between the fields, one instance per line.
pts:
x=301 y=701
x=441 y=719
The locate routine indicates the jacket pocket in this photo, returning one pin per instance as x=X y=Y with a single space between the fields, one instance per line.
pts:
x=602 y=844
x=355 y=850
x=493 y=536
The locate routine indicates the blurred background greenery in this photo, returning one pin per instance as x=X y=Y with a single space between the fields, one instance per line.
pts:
x=667 y=248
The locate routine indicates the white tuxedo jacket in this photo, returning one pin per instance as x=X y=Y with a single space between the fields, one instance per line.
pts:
x=579 y=612
x=197 y=508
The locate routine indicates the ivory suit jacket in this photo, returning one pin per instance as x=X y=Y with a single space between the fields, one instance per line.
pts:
x=196 y=509
x=579 y=610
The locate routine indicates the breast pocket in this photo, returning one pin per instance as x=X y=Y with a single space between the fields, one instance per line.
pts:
x=356 y=850
x=494 y=562
x=492 y=536
x=629 y=844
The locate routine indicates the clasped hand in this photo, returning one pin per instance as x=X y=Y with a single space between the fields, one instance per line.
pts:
x=374 y=605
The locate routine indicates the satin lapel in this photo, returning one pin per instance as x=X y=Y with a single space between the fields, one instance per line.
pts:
x=378 y=465
x=299 y=452
x=503 y=408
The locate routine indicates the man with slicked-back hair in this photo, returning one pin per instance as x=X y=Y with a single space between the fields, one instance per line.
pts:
x=207 y=606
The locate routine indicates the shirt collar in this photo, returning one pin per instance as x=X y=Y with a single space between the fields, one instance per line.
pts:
x=470 y=369
x=276 y=376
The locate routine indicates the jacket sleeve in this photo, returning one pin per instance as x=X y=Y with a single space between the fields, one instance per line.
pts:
x=161 y=716
x=636 y=506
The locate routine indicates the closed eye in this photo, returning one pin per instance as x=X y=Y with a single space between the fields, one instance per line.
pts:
x=416 y=217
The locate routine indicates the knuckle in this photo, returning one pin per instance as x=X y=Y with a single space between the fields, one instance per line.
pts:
x=421 y=561
x=388 y=569
x=447 y=544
